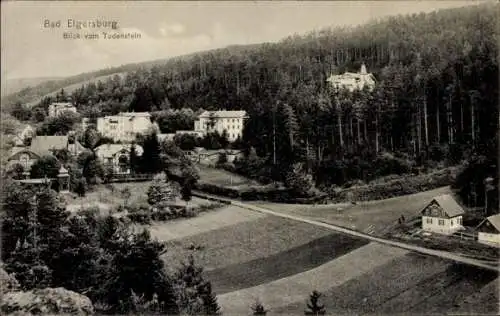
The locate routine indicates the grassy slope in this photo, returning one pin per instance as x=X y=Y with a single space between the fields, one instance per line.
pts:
x=411 y=284
x=244 y=242
x=15 y=85
x=283 y=264
x=69 y=89
x=204 y=222
x=295 y=288
x=223 y=177
x=372 y=217
x=104 y=197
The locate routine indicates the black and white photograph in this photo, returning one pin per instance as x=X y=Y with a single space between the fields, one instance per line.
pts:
x=249 y=158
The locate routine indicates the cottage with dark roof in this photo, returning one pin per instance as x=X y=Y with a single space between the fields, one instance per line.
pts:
x=42 y=146
x=442 y=215
x=489 y=230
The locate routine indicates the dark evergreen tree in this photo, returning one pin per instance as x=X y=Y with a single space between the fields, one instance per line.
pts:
x=194 y=294
x=151 y=161
x=258 y=309
x=134 y=159
x=313 y=306
x=47 y=166
x=210 y=305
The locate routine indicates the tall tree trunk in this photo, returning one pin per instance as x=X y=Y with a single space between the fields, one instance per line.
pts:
x=376 y=131
x=365 y=136
x=461 y=117
x=351 y=132
x=473 y=134
x=450 y=122
x=419 y=130
x=425 y=121
x=341 y=138
x=438 y=127
x=359 y=130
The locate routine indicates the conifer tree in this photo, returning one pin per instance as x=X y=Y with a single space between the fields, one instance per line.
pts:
x=313 y=306
x=210 y=305
x=133 y=159
x=258 y=309
x=151 y=160
x=194 y=294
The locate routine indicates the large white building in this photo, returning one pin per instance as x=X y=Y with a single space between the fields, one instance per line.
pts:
x=443 y=215
x=353 y=81
x=56 y=109
x=230 y=121
x=125 y=126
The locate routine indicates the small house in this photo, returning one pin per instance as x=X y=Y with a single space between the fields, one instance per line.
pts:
x=488 y=232
x=117 y=156
x=443 y=215
x=41 y=146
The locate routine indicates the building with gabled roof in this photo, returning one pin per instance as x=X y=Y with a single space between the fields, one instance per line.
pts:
x=117 y=156
x=488 y=231
x=42 y=146
x=125 y=126
x=57 y=108
x=442 y=215
x=353 y=81
x=219 y=121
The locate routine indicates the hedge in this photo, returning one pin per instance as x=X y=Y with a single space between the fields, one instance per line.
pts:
x=397 y=187
x=266 y=193
x=170 y=212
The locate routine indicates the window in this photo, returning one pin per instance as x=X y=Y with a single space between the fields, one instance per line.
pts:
x=429 y=221
x=441 y=222
x=451 y=222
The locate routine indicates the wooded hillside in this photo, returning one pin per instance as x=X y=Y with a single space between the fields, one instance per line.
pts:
x=436 y=95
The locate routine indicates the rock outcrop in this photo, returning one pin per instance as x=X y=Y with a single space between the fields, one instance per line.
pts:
x=51 y=301
x=8 y=283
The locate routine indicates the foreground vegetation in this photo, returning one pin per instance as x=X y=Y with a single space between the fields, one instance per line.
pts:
x=119 y=270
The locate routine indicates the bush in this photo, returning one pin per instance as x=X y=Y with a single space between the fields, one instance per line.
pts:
x=396 y=187
x=140 y=217
x=89 y=212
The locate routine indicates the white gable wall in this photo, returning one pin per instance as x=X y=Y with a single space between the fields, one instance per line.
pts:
x=488 y=238
x=446 y=226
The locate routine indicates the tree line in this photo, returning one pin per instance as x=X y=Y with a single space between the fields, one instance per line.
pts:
x=435 y=100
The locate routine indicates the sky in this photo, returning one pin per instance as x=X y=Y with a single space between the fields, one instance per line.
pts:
x=166 y=29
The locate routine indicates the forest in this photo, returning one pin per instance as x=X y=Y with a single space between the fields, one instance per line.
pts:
x=435 y=102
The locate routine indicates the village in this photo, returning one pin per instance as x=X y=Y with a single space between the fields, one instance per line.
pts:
x=443 y=215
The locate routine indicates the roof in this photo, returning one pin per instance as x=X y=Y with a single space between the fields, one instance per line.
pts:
x=224 y=114
x=62 y=104
x=449 y=205
x=109 y=150
x=41 y=145
x=135 y=114
x=494 y=220
x=35 y=181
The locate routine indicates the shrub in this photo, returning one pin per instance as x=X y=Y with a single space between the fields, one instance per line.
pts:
x=396 y=187
x=258 y=309
x=159 y=191
x=140 y=217
x=89 y=212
